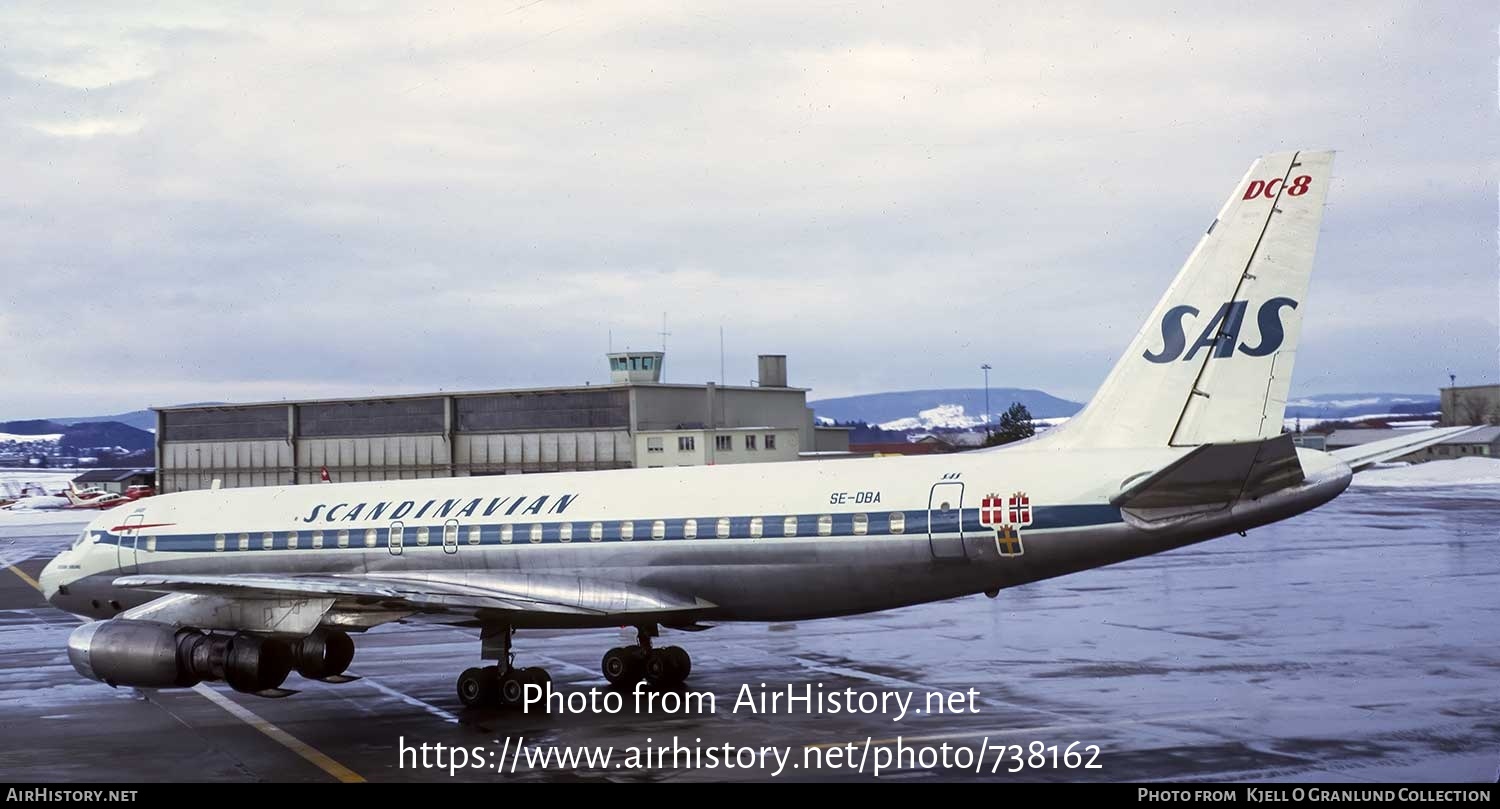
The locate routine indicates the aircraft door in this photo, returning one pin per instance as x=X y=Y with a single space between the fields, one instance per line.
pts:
x=130 y=535
x=945 y=528
x=450 y=536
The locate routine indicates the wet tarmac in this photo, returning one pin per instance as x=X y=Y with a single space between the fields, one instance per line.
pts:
x=1357 y=643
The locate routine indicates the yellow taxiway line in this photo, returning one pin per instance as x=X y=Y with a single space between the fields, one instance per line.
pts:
x=314 y=756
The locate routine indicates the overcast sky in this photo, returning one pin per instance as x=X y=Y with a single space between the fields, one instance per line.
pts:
x=234 y=203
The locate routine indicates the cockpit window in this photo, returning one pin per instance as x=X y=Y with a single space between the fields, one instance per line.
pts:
x=79 y=541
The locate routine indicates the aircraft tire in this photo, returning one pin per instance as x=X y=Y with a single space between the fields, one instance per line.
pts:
x=624 y=666
x=477 y=687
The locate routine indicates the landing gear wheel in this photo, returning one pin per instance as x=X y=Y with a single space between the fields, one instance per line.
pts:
x=624 y=665
x=513 y=688
x=668 y=667
x=477 y=687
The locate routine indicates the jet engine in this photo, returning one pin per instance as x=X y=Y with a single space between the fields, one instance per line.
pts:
x=147 y=654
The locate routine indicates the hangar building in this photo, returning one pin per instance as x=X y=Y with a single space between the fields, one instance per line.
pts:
x=634 y=421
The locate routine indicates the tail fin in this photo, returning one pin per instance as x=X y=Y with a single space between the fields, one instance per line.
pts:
x=1213 y=363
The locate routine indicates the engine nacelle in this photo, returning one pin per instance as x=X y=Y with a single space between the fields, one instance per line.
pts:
x=324 y=653
x=146 y=654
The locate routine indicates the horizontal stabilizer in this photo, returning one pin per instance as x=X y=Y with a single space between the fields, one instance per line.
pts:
x=1213 y=477
x=1367 y=455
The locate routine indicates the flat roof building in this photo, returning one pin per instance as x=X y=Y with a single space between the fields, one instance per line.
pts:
x=635 y=421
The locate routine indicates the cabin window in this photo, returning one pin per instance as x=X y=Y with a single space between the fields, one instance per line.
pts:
x=395 y=539
x=536 y=533
x=423 y=536
x=317 y=539
x=757 y=527
x=343 y=537
x=370 y=536
x=627 y=531
x=723 y=528
x=659 y=529
x=506 y=532
x=690 y=529
x=861 y=524
x=898 y=522
x=825 y=525
x=475 y=534
x=565 y=532
x=267 y=541
x=789 y=527
x=218 y=542
x=450 y=536
x=150 y=544
x=244 y=542
x=291 y=540
x=596 y=532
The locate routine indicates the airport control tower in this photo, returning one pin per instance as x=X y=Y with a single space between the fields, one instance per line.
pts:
x=634 y=367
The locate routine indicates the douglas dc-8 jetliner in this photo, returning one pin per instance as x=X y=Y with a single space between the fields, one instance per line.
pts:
x=1182 y=443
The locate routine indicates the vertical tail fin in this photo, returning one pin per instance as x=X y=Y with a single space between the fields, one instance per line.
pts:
x=1213 y=363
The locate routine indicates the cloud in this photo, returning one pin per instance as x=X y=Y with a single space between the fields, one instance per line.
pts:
x=240 y=203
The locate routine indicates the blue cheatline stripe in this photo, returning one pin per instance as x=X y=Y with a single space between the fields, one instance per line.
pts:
x=772 y=527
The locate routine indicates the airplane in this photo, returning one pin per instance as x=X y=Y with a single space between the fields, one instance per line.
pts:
x=1182 y=443
x=94 y=498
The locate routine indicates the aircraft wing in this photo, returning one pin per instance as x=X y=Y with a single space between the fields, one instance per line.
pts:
x=1367 y=455
x=372 y=598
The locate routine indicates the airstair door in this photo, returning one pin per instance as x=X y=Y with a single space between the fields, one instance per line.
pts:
x=945 y=522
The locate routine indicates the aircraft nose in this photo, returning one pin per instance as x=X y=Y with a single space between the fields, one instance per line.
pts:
x=51 y=581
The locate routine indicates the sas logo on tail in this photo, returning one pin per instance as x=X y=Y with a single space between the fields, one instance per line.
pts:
x=1222 y=334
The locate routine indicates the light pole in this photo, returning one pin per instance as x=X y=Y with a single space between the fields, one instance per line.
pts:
x=986 y=368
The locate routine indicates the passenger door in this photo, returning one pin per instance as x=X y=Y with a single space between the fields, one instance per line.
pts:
x=945 y=528
x=130 y=536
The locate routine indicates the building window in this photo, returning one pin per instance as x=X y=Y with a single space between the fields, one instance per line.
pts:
x=723 y=443
x=659 y=529
x=825 y=525
x=690 y=529
x=898 y=522
x=757 y=527
x=654 y=444
x=723 y=528
x=750 y=442
x=770 y=441
x=861 y=524
x=789 y=527
x=685 y=443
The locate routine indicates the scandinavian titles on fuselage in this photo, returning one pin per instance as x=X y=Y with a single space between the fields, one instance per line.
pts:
x=451 y=507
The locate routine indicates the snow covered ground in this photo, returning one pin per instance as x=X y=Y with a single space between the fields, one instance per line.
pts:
x=1457 y=472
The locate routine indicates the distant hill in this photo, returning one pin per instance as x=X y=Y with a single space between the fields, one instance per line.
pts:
x=882 y=408
x=84 y=435
x=139 y=419
x=1352 y=405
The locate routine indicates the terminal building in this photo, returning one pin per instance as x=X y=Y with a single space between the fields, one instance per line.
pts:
x=634 y=421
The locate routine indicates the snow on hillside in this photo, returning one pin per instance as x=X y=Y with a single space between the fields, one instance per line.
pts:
x=51 y=438
x=1457 y=472
x=943 y=416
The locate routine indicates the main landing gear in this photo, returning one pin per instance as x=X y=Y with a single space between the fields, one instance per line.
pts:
x=504 y=685
x=624 y=666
